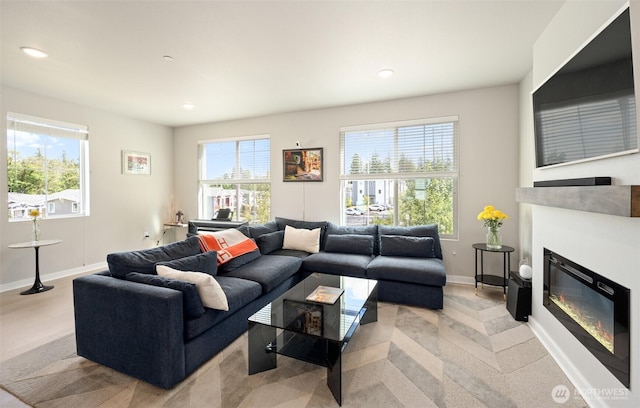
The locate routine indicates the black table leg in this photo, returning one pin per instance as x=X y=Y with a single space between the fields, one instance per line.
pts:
x=334 y=369
x=37 y=285
x=261 y=336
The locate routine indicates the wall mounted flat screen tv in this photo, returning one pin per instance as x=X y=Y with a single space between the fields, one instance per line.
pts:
x=587 y=109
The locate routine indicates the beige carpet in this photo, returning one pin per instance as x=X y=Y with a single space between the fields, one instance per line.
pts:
x=470 y=354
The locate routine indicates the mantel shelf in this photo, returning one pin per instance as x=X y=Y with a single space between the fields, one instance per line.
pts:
x=623 y=201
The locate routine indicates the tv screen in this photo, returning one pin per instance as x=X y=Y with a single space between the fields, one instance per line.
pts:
x=587 y=109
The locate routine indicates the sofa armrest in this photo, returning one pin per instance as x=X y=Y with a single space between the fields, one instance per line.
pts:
x=131 y=327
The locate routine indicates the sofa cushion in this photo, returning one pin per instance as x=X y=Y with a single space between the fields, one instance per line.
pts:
x=260 y=229
x=372 y=230
x=349 y=244
x=424 y=271
x=144 y=261
x=269 y=270
x=211 y=294
x=270 y=242
x=238 y=261
x=430 y=230
x=239 y=293
x=337 y=264
x=192 y=305
x=205 y=262
x=302 y=239
x=400 y=245
x=290 y=252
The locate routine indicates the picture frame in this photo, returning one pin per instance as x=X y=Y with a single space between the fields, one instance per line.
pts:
x=136 y=163
x=303 y=164
x=303 y=317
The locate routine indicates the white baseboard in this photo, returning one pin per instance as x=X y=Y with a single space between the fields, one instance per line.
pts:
x=26 y=283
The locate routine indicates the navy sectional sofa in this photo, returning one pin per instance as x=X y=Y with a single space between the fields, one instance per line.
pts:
x=157 y=330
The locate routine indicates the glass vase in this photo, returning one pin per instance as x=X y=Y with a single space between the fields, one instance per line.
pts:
x=494 y=238
x=36 y=231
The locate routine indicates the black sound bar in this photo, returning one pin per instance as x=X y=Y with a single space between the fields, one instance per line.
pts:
x=587 y=181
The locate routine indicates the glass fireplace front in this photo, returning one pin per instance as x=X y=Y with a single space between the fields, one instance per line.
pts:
x=593 y=308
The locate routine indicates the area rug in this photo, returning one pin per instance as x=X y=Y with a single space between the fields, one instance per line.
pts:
x=470 y=354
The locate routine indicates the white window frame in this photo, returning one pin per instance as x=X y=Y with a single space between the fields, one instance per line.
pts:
x=393 y=177
x=53 y=129
x=236 y=179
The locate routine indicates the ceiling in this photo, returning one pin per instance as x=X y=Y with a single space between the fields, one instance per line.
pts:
x=239 y=59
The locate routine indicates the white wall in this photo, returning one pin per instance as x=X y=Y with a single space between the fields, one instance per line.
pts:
x=123 y=207
x=488 y=155
x=608 y=245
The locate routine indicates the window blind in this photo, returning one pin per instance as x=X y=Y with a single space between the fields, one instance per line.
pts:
x=25 y=123
x=400 y=149
x=236 y=160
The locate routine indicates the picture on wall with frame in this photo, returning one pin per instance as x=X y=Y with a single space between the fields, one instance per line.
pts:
x=302 y=164
x=136 y=163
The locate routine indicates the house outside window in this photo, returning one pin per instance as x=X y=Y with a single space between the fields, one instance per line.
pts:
x=235 y=174
x=401 y=173
x=47 y=167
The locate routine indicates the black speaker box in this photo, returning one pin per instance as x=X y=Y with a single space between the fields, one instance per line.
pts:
x=519 y=301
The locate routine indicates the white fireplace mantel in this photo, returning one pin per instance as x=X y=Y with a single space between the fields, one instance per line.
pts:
x=623 y=201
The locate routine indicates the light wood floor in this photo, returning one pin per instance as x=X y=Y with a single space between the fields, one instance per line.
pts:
x=29 y=321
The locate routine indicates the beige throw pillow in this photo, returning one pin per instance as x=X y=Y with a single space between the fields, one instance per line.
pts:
x=302 y=239
x=211 y=294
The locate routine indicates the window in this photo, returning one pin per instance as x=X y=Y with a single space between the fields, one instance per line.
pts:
x=403 y=173
x=47 y=167
x=235 y=175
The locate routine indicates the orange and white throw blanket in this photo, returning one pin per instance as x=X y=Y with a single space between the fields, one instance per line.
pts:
x=228 y=243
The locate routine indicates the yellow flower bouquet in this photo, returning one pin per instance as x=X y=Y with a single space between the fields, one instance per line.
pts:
x=492 y=219
x=36 y=228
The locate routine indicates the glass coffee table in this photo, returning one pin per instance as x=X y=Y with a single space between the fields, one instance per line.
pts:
x=312 y=331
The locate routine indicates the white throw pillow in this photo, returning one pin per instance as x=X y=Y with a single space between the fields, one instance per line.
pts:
x=302 y=239
x=211 y=294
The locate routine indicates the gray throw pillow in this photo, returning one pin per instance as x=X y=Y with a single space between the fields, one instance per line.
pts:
x=144 y=261
x=206 y=262
x=191 y=302
x=238 y=261
x=270 y=242
x=400 y=245
x=349 y=244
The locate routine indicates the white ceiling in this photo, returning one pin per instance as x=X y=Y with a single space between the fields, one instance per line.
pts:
x=242 y=59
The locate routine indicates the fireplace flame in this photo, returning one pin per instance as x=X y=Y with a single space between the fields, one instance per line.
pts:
x=594 y=328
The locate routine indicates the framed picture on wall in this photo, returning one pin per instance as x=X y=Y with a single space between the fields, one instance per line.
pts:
x=302 y=164
x=136 y=163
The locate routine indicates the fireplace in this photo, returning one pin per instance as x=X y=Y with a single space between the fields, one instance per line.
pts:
x=593 y=308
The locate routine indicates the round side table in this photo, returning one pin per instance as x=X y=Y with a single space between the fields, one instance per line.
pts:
x=493 y=280
x=37 y=285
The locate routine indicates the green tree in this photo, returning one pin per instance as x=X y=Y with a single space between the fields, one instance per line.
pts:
x=356 y=165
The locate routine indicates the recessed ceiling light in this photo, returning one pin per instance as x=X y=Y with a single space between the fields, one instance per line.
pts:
x=385 y=73
x=188 y=106
x=32 y=52
x=167 y=57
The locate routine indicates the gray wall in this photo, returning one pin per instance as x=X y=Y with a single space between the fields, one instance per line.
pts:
x=123 y=207
x=488 y=155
